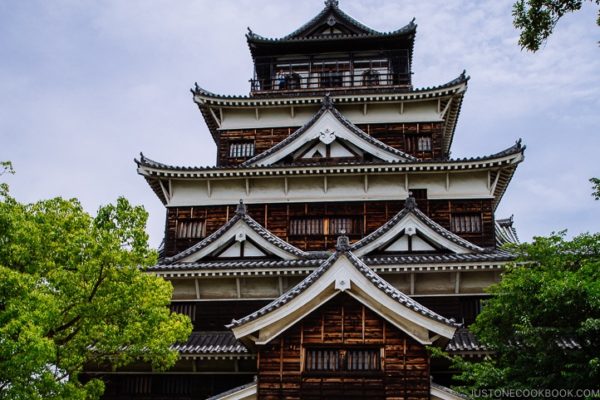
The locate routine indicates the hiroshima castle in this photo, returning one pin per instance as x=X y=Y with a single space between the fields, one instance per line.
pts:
x=335 y=239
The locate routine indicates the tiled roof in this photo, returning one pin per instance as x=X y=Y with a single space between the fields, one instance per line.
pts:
x=236 y=264
x=232 y=391
x=411 y=208
x=362 y=268
x=506 y=232
x=212 y=342
x=448 y=390
x=464 y=341
x=462 y=78
x=331 y=7
x=328 y=106
x=496 y=255
x=240 y=214
x=147 y=162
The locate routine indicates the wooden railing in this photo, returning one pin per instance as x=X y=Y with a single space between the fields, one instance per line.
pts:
x=328 y=80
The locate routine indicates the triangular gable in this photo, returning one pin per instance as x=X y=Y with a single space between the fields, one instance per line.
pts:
x=332 y=135
x=240 y=237
x=330 y=21
x=412 y=231
x=344 y=272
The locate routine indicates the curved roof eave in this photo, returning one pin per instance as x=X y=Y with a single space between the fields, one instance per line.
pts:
x=512 y=152
x=331 y=7
x=457 y=84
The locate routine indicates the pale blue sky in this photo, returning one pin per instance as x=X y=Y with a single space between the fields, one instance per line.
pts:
x=86 y=85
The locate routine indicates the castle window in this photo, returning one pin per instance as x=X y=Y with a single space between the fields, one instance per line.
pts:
x=306 y=226
x=418 y=143
x=342 y=360
x=424 y=143
x=241 y=150
x=190 y=229
x=326 y=226
x=466 y=223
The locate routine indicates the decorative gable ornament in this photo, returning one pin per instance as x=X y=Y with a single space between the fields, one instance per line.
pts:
x=327 y=136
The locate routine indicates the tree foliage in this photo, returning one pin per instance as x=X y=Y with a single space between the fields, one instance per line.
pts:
x=550 y=295
x=73 y=292
x=537 y=18
x=595 y=187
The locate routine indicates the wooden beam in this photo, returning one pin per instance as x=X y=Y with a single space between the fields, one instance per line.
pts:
x=443 y=113
x=247 y=187
x=366 y=183
x=292 y=112
x=257 y=113
x=325 y=183
x=365 y=109
x=217 y=120
x=447 y=181
x=412 y=283
x=208 y=188
x=197 y=285
x=493 y=188
x=457 y=283
x=238 y=288
x=165 y=191
x=285 y=185
x=401 y=107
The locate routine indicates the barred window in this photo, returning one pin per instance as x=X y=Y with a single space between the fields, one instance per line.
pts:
x=342 y=360
x=415 y=143
x=466 y=223
x=326 y=226
x=306 y=226
x=241 y=150
x=424 y=143
x=190 y=229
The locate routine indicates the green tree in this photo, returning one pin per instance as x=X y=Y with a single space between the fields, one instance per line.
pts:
x=549 y=296
x=73 y=292
x=536 y=19
x=595 y=187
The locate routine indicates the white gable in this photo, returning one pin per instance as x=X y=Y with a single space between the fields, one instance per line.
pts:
x=229 y=245
x=328 y=130
x=413 y=226
x=344 y=277
x=243 y=248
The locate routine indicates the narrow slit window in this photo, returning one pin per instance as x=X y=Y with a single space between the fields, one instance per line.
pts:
x=241 y=150
x=190 y=229
x=342 y=360
x=466 y=223
x=424 y=143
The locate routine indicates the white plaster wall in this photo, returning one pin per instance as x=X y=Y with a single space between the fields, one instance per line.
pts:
x=339 y=187
x=274 y=117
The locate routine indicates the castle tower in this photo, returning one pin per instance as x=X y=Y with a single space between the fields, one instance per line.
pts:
x=335 y=238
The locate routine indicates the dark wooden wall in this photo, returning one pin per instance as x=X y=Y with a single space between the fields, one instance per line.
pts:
x=394 y=135
x=168 y=386
x=343 y=322
x=275 y=217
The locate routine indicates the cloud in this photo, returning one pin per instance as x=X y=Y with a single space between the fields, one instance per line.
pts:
x=85 y=86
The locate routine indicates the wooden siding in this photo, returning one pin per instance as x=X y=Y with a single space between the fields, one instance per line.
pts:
x=276 y=217
x=343 y=323
x=394 y=135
